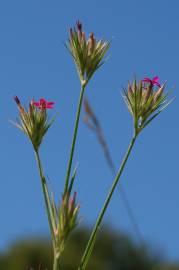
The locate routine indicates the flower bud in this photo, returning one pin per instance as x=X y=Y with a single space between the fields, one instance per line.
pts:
x=130 y=90
x=158 y=94
x=17 y=100
x=91 y=43
x=79 y=31
x=71 y=34
x=79 y=26
x=147 y=93
x=87 y=54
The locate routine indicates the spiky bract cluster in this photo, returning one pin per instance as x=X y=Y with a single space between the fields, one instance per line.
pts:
x=144 y=102
x=33 y=122
x=87 y=53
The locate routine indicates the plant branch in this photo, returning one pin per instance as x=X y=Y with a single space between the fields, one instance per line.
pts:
x=91 y=241
x=56 y=262
x=74 y=137
x=49 y=211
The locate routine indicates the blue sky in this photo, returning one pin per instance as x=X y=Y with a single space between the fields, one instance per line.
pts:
x=35 y=63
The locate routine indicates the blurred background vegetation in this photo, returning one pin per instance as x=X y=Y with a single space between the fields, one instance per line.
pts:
x=113 y=251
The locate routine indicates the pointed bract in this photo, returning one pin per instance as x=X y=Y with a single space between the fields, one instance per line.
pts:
x=67 y=218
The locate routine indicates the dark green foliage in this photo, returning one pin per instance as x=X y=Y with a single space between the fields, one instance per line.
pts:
x=113 y=251
x=27 y=254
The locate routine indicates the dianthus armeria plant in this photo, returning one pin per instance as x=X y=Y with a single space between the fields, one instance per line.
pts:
x=62 y=218
x=145 y=100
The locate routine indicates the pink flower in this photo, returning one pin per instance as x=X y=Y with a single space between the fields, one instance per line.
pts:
x=43 y=104
x=153 y=81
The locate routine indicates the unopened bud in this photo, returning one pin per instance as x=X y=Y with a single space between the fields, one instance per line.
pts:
x=91 y=43
x=31 y=107
x=130 y=90
x=79 y=26
x=79 y=36
x=158 y=94
x=72 y=203
x=17 y=100
x=71 y=34
x=83 y=37
x=79 y=30
x=21 y=109
x=147 y=93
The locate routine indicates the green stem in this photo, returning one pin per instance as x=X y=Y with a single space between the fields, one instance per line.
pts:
x=46 y=198
x=56 y=262
x=91 y=241
x=74 y=137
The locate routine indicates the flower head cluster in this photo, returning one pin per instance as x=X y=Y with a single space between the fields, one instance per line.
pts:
x=87 y=53
x=144 y=101
x=67 y=218
x=34 y=121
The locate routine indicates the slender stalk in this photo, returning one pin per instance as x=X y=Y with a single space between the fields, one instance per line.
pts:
x=58 y=251
x=56 y=262
x=74 y=137
x=91 y=241
x=46 y=198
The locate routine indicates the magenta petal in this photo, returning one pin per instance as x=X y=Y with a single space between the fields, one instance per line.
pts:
x=146 y=80
x=37 y=104
x=156 y=83
x=43 y=104
x=42 y=101
x=155 y=79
